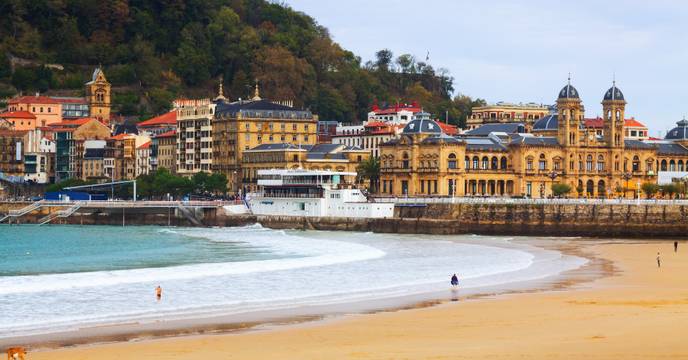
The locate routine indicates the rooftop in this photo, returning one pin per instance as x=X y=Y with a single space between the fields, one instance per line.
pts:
x=169 y=118
x=18 y=115
x=33 y=100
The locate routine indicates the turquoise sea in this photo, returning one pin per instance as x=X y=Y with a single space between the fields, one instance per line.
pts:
x=57 y=278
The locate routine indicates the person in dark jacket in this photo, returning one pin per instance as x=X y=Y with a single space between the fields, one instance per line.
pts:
x=454 y=280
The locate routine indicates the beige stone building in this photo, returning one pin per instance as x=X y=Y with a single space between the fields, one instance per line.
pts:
x=426 y=162
x=98 y=93
x=194 y=136
x=503 y=112
x=245 y=124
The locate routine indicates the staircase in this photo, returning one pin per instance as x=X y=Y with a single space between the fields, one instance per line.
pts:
x=23 y=211
x=62 y=214
x=189 y=215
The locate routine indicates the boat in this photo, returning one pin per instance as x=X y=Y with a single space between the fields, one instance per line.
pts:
x=313 y=193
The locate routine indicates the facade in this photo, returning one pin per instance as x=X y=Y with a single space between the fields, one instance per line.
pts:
x=44 y=110
x=426 y=162
x=143 y=165
x=93 y=167
x=73 y=107
x=326 y=130
x=12 y=152
x=164 y=151
x=374 y=133
x=245 y=124
x=98 y=96
x=70 y=144
x=194 y=136
x=399 y=114
x=633 y=128
x=503 y=112
x=328 y=157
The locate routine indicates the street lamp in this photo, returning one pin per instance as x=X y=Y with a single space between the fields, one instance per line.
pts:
x=552 y=175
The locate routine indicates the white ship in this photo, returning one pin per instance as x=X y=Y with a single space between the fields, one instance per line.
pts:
x=313 y=193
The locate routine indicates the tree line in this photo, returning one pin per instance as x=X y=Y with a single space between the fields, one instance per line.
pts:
x=156 y=50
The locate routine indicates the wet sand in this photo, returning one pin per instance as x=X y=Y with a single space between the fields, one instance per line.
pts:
x=640 y=312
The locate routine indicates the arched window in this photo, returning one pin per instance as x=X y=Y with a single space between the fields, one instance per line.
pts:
x=600 y=163
x=486 y=163
x=649 y=164
x=476 y=162
x=663 y=166
x=405 y=161
x=588 y=163
x=529 y=163
x=672 y=165
x=494 y=164
x=680 y=165
x=636 y=163
x=468 y=163
x=503 y=163
x=542 y=162
x=451 y=161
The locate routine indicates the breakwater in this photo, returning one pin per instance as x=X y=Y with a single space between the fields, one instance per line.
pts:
x=646 y=220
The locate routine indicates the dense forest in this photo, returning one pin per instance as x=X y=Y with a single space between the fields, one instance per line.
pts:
x=156 y=50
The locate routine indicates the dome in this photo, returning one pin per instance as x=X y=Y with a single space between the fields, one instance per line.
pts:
x=419 y=126
x=549 y=122
x=568 y=92
x=680 y=132
x=613 y=93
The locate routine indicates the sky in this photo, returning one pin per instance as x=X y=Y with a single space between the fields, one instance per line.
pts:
x=522 y=51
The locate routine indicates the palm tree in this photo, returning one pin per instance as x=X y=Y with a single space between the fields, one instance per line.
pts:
x=369 y=169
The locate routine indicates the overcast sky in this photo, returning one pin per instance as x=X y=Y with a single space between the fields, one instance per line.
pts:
x=522 y=51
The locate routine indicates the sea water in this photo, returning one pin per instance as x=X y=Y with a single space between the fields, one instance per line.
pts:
x=59 y=278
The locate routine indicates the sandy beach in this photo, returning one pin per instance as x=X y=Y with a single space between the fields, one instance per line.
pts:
x=639 y=313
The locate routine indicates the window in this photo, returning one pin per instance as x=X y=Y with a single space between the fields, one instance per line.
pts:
x=451 y=162
x=476 y=162
x=293 y=127
x=467 y=164
x=542 y=163
x=600 y=163
x=636 y=163
x=529 y=164
x=405 y=161
x=486 y=163
x=588 y=163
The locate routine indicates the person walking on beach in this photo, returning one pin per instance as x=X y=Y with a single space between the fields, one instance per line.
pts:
x=158 y=292
x=454 y=280
x=675 y=246
x=659 y=261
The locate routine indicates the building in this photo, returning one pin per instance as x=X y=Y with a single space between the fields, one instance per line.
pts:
x=374 y=133
x=164 y=151
x=12 y=152
x=143 y=157
x=399 y=114
x=425 y=162
x=326 y=130
x=159 y=124
x=98 y=96
x=503 y=112
x=328 y=157
x=73 y=107
x=194 y=136
x=93 y=165
x=29 y=112
x=245 y=124
x=71 y=137
x=634 y=129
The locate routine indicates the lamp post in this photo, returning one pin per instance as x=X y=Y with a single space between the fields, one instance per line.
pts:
x=552 y=175
x=626 y=176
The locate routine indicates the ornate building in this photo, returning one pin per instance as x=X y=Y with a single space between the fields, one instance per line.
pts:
x=245 y=124
x=505 y=113
x=425 y=161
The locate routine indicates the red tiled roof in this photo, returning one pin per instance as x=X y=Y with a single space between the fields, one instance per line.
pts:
x=74 y=122
x=375 y=124
x=598 y=123
x=169 y=118
x=120 y=137
x=171 y=133
x=448 y=129
x=394 y=110
x=33 y=100
x=8 y=132
x=145 y=146
x=18 y=115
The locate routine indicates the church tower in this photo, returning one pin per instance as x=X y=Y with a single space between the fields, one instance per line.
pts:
x=98 y=96
x=570 y=116
x=614 y=107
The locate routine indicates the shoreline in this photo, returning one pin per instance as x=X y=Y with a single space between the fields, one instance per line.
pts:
x=638 y=313
x=133 y=331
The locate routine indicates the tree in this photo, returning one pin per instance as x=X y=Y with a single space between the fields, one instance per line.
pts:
x=369 y=169
x=579 y=190
x=650 y=189
x=383 y=60
x=669 y=189
x=561 y=189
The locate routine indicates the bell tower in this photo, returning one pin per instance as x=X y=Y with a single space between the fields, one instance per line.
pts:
x=98 y=96
x=570 y=116
x=614 y=107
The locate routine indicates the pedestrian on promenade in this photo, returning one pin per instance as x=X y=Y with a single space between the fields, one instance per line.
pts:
x=675 y=246
x=454 y=280
x=659 y=261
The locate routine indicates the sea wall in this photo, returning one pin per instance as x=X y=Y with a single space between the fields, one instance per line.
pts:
x=589 y=220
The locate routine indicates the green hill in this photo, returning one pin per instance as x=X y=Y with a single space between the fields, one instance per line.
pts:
x=155 y=50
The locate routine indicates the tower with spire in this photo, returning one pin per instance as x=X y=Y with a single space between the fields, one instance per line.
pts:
x=614 y=107
x=220 y=92
x=570 y=115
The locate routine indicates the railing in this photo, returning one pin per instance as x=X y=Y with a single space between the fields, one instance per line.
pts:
x=507 y=200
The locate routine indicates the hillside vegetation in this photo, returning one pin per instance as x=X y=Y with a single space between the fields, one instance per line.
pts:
x=155 y=50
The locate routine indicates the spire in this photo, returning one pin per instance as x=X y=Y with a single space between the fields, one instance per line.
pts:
x=256 y=93
x=569 y=78
x=220 y=91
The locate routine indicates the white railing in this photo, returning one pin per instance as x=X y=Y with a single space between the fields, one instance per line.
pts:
x=505 y=200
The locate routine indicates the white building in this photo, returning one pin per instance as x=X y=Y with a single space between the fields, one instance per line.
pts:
x=313 y=193
x=194 y=135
